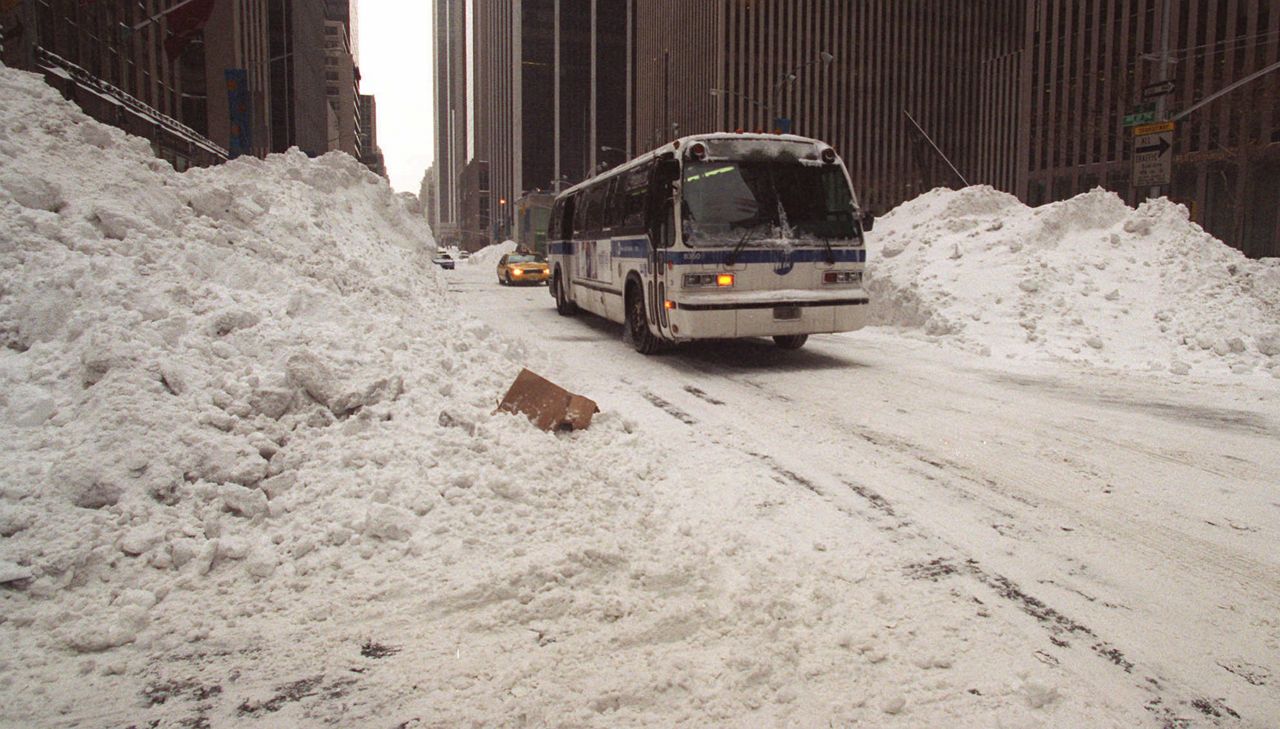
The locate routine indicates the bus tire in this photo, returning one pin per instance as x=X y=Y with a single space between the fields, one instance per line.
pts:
x=790 y=341
x=638 y=330
x=564 y=307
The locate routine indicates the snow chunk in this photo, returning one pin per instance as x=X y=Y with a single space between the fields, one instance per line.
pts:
x=37 y=193
x=12 y=572
x=384 y=521
x=244 y=501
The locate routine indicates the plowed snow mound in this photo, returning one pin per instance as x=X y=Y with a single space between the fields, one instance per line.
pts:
x=243 y=391
x=1087 y=279
x=489 y=255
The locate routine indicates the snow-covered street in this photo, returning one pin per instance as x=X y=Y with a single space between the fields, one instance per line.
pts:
x=253 y=474
x=1124 y=527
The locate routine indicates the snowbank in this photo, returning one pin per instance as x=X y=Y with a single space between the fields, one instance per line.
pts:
x=1087 y=279
x=489 y=255
x=244 y=391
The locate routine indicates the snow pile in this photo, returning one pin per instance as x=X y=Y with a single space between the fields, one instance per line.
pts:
x=243 y=391
x=489 y=255
x=1087 y=279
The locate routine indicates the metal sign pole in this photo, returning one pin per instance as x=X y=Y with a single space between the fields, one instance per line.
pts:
x=1162 y=102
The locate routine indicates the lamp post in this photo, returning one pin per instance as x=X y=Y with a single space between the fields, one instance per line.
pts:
x=787 y=80
x=718 y=92
x=503 y=229
x=603 y=165
x=788 y=77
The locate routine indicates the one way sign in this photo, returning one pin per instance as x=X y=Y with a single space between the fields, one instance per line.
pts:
x=1152 y=154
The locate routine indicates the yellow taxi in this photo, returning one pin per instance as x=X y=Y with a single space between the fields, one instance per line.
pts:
x=523 y=267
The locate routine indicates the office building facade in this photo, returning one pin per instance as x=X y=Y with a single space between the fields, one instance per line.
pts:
x=342 y=87
x=452 y=81
x=126 y=78
x=370 y=152
x=1029 y=97
x=300 y=113
x=836 y=71
x=1089 y=65
x=167 y=71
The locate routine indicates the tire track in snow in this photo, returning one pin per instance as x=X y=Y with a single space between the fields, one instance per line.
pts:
x=1062 y=630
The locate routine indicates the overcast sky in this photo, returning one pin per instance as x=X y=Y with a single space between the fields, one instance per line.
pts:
x=395 y=66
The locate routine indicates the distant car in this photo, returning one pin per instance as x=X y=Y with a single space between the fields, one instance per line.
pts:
x=523 y=268
x=443 y=260
x=463 y=255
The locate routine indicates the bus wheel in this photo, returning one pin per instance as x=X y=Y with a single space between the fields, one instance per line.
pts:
x=564 y=307
x=791 y=341
x=638 y=324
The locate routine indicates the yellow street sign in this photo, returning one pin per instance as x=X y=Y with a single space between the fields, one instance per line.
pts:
x=1157 y=128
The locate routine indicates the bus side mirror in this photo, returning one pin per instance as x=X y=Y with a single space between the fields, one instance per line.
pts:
x=868 y=221
x=667 y=173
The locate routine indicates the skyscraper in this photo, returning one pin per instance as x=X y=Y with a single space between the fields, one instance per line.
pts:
x=536 y=90
x=300 y=111
x=451 y=109
x=370 y=152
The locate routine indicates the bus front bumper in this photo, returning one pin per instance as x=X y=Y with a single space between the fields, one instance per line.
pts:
x=723 y=319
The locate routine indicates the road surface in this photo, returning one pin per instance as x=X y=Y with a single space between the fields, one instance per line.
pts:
x=1128 y=521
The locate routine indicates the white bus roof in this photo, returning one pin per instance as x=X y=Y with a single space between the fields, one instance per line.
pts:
x=673 y=146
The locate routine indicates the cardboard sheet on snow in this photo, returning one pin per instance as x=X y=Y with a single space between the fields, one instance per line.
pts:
x=548 y=406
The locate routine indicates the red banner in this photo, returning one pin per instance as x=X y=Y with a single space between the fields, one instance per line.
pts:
x=184 y=21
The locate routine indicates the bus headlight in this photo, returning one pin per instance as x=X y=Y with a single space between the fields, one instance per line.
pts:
x=696 y=280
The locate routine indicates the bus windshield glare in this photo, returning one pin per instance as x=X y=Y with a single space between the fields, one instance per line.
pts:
x=722 y=201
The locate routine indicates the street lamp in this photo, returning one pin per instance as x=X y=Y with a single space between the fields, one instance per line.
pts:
x=744 y=97
x=787 y=77
x=602 y=165
x=773 y=118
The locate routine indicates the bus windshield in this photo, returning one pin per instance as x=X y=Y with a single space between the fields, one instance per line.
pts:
x=787 y=200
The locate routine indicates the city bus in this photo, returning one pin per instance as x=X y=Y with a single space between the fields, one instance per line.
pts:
x=714 y=236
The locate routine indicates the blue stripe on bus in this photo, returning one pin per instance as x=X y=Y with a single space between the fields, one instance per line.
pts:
x=638 y=248
x=765 y=255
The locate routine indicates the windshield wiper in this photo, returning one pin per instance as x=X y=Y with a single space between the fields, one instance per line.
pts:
x=831 y=254
x=732 y=258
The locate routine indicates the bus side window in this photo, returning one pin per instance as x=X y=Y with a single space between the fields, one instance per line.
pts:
x=553 y=222
x=615 y=203
x=579 y=213
x=595 y=206
x=633 y=196
x=566 y=219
